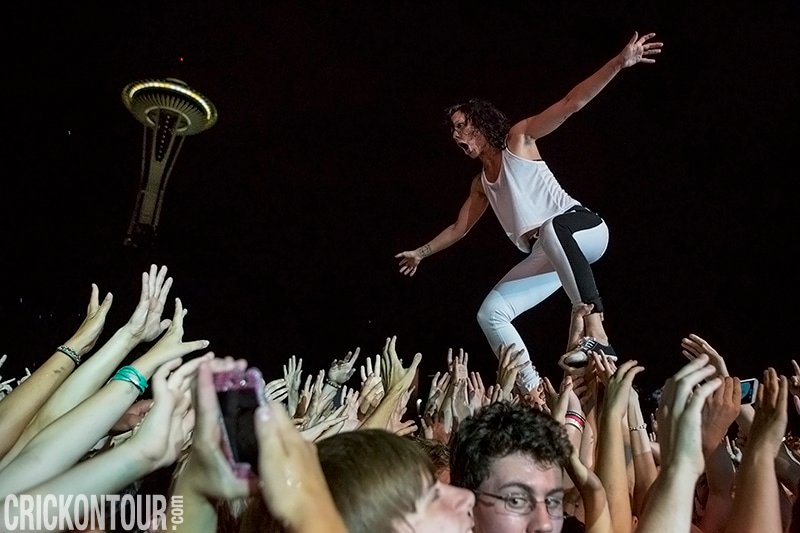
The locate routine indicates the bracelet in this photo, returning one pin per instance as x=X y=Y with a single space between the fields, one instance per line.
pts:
x=571 y=417
x=640 y=427
x=332 y=383
x=570 y=422
x=132 y=376
x=577 y=414
x=69 y=352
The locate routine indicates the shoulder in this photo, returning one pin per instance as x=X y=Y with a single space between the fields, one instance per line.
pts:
x=477 y=185
x=523 y=146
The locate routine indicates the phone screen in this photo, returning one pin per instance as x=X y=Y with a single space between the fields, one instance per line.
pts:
x=238 y=408
x=748 y=391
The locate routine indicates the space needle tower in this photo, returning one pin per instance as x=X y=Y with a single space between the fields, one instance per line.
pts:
x=170 y=111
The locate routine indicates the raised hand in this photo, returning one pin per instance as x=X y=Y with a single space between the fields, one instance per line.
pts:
x=351 y=399
x=719 y=412
x=292 y=480
x=638 y=48
x=618 y=389
x=207 y=471
x=562 y=399
x=84 y=339
x=145 y=324
x=170 y=345
x=396 y=423
x=508 y=367
x=679 y=413
x=477 y=392
x=392 y=366
x=162 y=433
x=276 y=390
x=769 y=424
x=794 y=380
x=434 y=429
x=437 y=393
x=292 y=373
x=693 y=346
x=322 y=425
x=317 y=404
x=343 y=369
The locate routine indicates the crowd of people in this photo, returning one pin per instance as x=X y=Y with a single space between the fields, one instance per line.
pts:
x=364 y=445
x=346 y=448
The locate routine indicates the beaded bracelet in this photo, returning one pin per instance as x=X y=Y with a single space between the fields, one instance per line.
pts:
x=69 y=352
x=132 y=376
x=640 y=427
x=332 y=383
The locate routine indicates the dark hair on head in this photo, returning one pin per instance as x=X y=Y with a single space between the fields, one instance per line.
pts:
x=501 y=429
x=375 y=477
x=483 y=115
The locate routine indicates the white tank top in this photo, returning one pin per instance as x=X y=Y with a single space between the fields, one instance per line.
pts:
x=525 y=195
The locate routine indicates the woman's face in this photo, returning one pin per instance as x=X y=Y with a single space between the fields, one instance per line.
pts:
x=442 y=508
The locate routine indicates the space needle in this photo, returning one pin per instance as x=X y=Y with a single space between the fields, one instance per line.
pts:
x=170 y=111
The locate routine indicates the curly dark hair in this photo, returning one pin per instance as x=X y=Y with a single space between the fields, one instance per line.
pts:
x=483 y=115
x=501 y=429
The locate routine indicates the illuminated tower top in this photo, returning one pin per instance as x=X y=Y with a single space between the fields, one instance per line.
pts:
x=147 y=98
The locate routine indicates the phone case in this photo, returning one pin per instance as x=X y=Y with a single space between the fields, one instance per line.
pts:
x=238 y=380
x=753 y=391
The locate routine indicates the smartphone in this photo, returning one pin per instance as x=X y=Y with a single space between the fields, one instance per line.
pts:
x=239 y=393
x=749 y=390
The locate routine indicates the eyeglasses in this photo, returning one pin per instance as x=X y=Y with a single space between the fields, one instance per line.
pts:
x=521 y=504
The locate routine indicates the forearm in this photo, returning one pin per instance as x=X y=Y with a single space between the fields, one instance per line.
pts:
x=586 y=90
x=612 y=471
x=66 y=440
x=198 y=512
x=757 y=502
x=448 y=237
x=381 y=415
x=21 y=405
x=669 y=506
x=597 y=517
x=644 y=465
x=106 y=473
x=84 y=381
x=587 y=446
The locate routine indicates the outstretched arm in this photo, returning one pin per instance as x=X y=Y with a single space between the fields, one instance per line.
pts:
x=470 y=213
x=22 y=404
x=636 y=51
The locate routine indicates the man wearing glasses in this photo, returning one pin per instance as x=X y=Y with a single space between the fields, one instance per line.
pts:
x=512 y=457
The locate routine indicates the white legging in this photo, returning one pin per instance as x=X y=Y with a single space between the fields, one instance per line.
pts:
x=549 y=266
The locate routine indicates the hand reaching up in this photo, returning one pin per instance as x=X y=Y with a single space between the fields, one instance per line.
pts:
x=343 y=369
x=693 y=346
x=293 y=374
x=84 y=339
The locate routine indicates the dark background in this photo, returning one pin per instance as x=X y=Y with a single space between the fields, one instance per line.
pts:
x=281 y=222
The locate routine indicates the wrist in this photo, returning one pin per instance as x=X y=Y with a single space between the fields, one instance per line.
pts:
x=329 y=382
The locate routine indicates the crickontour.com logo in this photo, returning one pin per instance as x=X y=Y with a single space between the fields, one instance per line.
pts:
x=104 y=512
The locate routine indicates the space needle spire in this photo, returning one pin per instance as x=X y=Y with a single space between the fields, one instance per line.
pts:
x=170 y=111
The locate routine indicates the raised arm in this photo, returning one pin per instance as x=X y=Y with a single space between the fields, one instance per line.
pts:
x=21 y=405
x=144 y=325
x=472 y=210
x=537 y=126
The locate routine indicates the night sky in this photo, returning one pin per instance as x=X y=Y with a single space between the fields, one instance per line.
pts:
x=281 y=222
